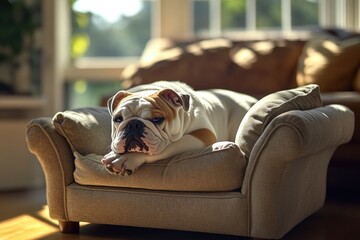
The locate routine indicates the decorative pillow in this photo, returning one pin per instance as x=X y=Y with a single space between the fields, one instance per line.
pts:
x=267 y=108
x=220 y=167
x=330 y=60
x=87 y=130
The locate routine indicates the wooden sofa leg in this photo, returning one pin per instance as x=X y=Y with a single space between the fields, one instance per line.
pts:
x=69 y=227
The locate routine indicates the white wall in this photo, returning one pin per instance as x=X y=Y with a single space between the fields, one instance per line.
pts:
x=18 y=168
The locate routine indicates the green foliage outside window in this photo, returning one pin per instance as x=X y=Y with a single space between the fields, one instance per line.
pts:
x=20 y=52
x=304 y=15
x=93 y=36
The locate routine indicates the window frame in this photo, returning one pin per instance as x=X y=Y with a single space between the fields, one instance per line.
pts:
x=171 y=19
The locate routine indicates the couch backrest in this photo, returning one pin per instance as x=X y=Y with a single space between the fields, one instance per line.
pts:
x=253 y=67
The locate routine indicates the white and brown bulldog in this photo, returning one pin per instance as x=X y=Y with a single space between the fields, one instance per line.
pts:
x=156 y=121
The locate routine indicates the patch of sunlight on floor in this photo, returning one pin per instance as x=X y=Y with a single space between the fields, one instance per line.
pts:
x=25 y=227
x=29 y=226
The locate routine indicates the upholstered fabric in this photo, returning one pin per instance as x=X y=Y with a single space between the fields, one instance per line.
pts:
x=284 y=182
x=251 y=67
x=219 y=167
x=288 y=170
x=330 y=60
x=264 y=67
x=349 y=99
x=87 y=130
x=357 y=80
x=267 y=108
x=213 y=212
x=55 y=156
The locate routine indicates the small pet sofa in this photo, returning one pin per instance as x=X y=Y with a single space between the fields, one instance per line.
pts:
x=261 y=184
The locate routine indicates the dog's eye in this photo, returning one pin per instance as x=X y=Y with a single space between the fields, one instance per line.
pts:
x=157 y=120
x=118 y=119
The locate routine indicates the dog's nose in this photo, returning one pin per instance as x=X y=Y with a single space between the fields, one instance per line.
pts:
x=135 y=125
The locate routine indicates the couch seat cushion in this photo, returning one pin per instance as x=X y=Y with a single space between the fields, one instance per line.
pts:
x=219 y=167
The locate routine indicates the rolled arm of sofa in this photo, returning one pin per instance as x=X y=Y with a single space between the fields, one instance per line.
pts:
x=286 y=175
x=56 y=159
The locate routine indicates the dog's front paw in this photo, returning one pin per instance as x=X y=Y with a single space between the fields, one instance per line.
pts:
x=108 y=159
x=124 y=164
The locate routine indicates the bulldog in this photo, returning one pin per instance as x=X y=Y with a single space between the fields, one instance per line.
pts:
x=159 y=120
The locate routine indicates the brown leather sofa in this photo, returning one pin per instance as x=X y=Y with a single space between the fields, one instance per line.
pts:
x=330 y=58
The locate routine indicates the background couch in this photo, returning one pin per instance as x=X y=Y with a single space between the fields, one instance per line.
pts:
x=330 y=58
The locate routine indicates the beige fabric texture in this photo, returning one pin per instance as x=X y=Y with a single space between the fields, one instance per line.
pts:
x=288 y=171
x=87 y=130
x=284 y=182
x=219 y=167
x=57 y=161
x=219 y=212
x=330 y=62
x=267 y=108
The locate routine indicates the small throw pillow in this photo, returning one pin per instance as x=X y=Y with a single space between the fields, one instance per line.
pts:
x=220 y=167
x=267 y=108
x=329 y=60
x=87 y=130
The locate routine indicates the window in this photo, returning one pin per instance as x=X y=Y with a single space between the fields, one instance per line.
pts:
x=110 y=28
x=104 y=33
x=240 y=17
x=90 y=64
x=83 y=93
x=305 y=14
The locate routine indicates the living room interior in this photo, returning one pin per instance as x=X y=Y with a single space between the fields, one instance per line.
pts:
x=60 y=55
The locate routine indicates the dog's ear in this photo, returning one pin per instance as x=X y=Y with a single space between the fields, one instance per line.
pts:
x=116 y=99
x=176 y=99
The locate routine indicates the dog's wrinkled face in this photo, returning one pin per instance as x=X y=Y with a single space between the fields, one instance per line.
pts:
x=146 y=121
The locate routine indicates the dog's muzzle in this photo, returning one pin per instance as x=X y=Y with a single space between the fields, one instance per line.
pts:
x=134 y=131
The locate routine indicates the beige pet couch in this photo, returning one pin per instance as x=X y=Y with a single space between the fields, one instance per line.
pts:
x=261 y=184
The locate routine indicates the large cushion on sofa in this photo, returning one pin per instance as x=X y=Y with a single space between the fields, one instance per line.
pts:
x=219 y=167
x=251 y=67
x=331 y=60
x=264 y=67
x=200 y=64
x=87 y=130
x=266 y=109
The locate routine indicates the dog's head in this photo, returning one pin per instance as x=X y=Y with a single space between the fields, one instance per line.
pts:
x=146 y=121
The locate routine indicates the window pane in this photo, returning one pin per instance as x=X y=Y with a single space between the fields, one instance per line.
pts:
x=201 y=17
x=233 y=14
x=268 y=14
x=304 y=14
x=110 y=28
x=82 y=93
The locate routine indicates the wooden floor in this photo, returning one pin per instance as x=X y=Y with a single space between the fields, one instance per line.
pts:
x=23 y=215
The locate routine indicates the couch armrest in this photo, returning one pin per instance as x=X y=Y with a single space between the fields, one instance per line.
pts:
x=350 y=99
x=286 y=175
x=57 y=161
